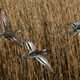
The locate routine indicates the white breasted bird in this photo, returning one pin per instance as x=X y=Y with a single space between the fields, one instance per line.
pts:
x=35 y=54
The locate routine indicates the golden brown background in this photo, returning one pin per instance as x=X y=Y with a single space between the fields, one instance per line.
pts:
x=45 y=23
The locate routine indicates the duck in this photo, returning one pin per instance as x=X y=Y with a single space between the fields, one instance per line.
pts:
x=7 y=32
x=76 y=26
x=34 y=53
x=6 y=26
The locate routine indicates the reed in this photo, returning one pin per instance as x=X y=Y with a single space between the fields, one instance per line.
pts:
x=45 y=23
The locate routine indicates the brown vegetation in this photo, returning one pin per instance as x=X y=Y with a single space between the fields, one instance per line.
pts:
x=45 y=23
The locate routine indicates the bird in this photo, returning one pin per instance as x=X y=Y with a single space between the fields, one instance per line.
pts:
x=7 y=32
x=76 y=26
x=34 y=53
x=6 y=25
x=76 y=29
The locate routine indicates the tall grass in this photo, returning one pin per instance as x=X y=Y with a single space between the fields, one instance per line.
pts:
x=45 y=23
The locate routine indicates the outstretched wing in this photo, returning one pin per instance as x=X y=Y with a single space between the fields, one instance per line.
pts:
x=43 y=61
x=31 y=47
x=4 y=19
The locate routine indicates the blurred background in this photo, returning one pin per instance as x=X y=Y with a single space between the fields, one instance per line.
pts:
x=45 y=23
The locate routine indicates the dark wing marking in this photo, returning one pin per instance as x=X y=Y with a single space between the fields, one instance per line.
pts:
x=43 y=61
x=31 y=47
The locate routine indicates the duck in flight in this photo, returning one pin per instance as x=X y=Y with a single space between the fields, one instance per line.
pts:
x=6 y=25
x=7 y=29
x=36 y=54
x=76 y=26
x=76 y=29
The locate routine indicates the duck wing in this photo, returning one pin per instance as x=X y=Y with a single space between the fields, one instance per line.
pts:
x=5 y=21
x=43 y=61
x=31 y=47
